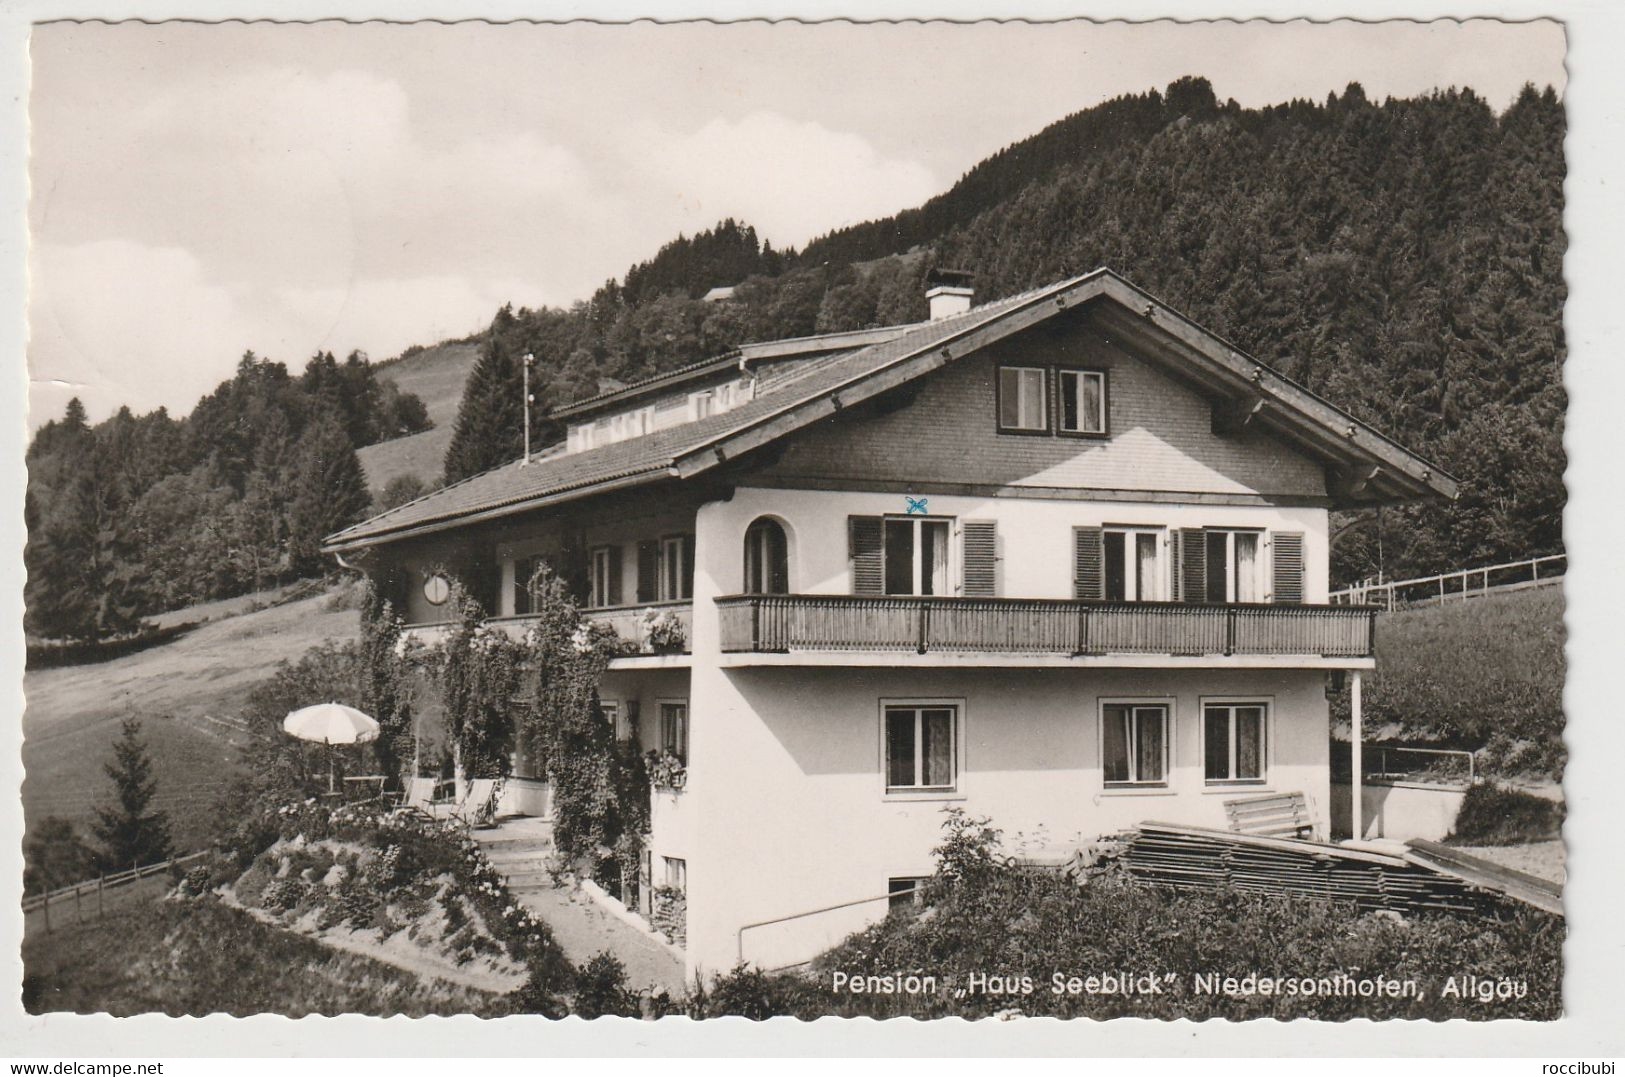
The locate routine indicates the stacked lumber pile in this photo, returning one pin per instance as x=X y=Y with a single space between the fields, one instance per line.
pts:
x=1191 y=857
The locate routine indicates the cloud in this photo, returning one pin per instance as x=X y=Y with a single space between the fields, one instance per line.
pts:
x=791 y=179
x=115 y=322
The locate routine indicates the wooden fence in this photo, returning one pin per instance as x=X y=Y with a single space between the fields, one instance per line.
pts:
x=1458 y=585
x=98 y=887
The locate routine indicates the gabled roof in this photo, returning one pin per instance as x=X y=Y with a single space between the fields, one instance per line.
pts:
x=1367 y=465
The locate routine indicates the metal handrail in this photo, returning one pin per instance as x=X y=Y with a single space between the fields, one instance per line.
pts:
x=739 y=936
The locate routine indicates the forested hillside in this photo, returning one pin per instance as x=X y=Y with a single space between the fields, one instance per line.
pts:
x=139 y=514
x=1403 y=259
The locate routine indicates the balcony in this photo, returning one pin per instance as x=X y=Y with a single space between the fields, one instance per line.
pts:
x=626 y=620
x=1016 y=628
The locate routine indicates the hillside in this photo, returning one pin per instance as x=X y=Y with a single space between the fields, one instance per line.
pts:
x=184 y=692
x=1486 y=673
x=436 y=376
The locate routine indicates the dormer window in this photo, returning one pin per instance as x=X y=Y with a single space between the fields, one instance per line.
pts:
x=1023 y=403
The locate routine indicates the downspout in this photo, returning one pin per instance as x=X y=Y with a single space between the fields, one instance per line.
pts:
x=1356 y=735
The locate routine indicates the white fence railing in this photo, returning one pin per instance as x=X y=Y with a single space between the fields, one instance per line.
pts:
x=77 y=892
x=1458 y=585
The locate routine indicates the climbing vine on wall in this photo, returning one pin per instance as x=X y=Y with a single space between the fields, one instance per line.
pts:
x=385 y=691
x=479 y=675
x=600 y=794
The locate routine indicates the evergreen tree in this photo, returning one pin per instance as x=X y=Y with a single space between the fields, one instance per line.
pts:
x=330 y=491
x=490 y=422
x=55 y=855
x=129 y=830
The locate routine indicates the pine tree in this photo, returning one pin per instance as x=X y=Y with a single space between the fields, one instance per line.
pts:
x=490 y=422
x=330 y=491
x=129 y=830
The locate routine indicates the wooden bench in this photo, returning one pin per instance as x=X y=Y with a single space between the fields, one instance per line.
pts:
x=1274 y=815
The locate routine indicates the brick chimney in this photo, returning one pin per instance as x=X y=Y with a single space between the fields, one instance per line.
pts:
x=948 y=292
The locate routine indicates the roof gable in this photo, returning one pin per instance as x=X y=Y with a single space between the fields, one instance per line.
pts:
x=1365 y=465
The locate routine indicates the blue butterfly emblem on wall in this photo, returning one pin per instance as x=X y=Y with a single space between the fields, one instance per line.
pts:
x=915 y=504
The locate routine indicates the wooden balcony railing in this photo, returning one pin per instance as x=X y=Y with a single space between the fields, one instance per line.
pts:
x=784 y=623
x=626 y=620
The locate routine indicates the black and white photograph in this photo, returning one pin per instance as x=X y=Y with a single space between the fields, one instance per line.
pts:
x=916 y=519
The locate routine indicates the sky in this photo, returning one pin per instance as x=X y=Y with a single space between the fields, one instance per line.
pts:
x=199 y=190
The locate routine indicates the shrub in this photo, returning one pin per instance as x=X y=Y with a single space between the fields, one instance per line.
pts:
x=990 y=917
x=601 y=989
x=280 y=895
x=756 y=995
x=1495 y=815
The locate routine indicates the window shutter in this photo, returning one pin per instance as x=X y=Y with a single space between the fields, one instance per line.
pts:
x=687 y=588
x=613 y=595
x=648 y=569
x=867 y=554
x=1088 y=579
x=981 y=543
x=1192 y=564
x=1286 y=566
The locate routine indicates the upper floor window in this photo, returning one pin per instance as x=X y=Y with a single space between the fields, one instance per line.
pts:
x=767 y=558
x=605 y=577
x=915 y=551
x=523 y=569
x=1132 y=564
x=1023 y=400
x=1080 y=396
x=674 y=729
x=676 y=571
x=1235 y=572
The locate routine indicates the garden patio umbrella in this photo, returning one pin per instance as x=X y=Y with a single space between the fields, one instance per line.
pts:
x=330 y=724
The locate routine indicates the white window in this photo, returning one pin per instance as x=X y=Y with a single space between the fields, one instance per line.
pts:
x=676 y=571
x=676 y=873
x=674 y=729
x=1022 y=403
x=1235 y=572
x=916 y=556
x=1080 y=396
x=603 y=578
x=1133 y=564
x=921 y=747
x=616 y=718
x=700 y=404
x=1234 y=741
x=1134 y=743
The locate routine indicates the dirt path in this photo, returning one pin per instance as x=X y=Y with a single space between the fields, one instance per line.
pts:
x=584 y=929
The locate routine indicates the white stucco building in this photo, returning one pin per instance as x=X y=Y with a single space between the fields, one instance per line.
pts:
x=1059 y=559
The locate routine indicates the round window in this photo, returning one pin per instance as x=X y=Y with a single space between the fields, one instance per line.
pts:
x=436 y=589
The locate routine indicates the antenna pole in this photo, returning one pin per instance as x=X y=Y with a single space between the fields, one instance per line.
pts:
x=530 y=361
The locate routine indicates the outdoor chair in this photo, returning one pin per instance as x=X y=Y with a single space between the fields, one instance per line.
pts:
x=418 y=796
x=478 y=808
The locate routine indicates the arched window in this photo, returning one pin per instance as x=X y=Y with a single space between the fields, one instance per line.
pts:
x=767 y=558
